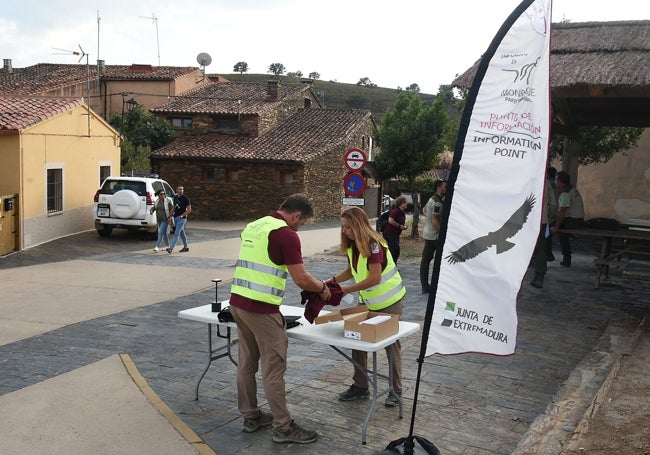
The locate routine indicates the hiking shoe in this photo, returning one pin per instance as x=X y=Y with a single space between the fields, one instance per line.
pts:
x=185 y=250
x=353 y=393
x=296 y=434
x=264 y=419
x=156 y=249
x=393 y=399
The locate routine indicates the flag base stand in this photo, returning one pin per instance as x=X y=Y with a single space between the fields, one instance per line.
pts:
x=410 y=445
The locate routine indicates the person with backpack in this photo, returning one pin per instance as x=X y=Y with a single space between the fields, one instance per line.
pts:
x=432 y=212
x=396 y=224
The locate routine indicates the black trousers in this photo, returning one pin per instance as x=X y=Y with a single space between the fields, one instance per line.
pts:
x=393 y=245
x=565 y=239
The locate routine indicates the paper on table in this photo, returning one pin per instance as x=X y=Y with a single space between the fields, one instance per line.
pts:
x=375 y=320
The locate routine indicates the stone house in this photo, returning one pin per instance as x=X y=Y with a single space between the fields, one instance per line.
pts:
x=244 y=147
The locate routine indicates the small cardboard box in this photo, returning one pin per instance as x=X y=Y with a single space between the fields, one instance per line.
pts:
x=364 y=328
x=341 y=315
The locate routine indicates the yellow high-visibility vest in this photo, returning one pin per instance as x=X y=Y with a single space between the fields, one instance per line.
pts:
x=389 y=290
x=257 y=277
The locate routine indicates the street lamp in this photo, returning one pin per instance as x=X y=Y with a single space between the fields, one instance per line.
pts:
x=132 y=103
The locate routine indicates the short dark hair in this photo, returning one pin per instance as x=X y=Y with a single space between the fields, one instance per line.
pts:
x=437 y=184
x=298 y=203
x=563 y=177
x=551 y=172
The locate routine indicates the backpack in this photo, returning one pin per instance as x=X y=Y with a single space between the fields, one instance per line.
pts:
x=609 y=224
x=382 y=221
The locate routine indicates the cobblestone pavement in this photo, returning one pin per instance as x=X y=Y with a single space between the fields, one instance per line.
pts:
x=467 y=404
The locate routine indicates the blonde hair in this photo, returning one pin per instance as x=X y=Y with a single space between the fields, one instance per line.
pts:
x=364 y=234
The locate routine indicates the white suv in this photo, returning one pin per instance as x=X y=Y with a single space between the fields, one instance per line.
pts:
x=125 y=202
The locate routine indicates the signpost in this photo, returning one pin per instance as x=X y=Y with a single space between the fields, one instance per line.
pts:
x=354 y=183
x=355 y=159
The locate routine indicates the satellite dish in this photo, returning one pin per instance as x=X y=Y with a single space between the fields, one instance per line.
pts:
x=204 y=59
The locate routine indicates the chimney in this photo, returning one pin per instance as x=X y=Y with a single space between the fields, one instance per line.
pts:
x=101 y=66
x=272 y=88
x=7 y=65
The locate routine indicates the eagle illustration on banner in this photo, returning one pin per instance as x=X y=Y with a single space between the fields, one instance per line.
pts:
x=498 y=238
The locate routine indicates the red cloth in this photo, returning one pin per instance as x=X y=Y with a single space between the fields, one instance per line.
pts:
x=315 y=303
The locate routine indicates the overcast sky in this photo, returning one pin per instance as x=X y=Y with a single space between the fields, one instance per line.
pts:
x=393 y=43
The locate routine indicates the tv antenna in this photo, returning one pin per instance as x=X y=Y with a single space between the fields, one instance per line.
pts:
x=154 y=20
x=204 y=60
x=82 y=54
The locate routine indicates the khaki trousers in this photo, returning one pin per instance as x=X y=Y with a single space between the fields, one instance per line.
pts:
x=262 y=337
x=395 y=350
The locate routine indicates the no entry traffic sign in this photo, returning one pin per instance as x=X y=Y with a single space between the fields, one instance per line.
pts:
x=355 y=159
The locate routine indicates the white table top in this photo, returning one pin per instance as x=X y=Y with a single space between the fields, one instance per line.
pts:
x=330 y=333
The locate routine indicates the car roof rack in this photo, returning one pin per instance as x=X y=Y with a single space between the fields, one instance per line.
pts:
x=140 y=174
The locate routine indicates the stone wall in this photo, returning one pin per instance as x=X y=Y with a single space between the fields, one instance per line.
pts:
x=239 y=190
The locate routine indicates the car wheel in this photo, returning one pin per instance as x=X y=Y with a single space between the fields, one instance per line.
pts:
x=105 y=231
x=125 y=204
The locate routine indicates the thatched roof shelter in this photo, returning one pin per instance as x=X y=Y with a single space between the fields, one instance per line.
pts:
x=600 y=74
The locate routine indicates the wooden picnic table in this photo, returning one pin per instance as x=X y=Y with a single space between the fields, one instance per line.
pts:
x=634 y=245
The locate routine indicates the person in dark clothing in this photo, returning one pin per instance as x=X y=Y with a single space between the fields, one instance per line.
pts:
x=396 y=224
x=571 y=214
x=182 y=208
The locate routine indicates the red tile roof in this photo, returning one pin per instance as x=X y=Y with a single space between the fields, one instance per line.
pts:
x=230 y=98
x=301 y=138
x=43 y=77
x=20 y=112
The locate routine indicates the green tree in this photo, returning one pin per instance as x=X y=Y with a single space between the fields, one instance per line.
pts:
x=277 y=69
x=240 y=67
x=366 y=82
x=314 y=75
x=411 y=137
x=142 y=132
x=598 y=144
x=413 y=87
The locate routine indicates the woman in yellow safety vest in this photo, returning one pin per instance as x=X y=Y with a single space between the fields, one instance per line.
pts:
x=380 y=288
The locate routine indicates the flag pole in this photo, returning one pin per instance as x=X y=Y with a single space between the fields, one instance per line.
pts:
x=455 y=167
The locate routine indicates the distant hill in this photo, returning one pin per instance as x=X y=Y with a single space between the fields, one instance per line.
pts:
x=338 y=95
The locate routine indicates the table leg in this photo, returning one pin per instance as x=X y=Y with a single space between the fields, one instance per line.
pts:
x=604 y=254
x=196 y=394
x=373 y=401
x=372 y=379
x=212 y=357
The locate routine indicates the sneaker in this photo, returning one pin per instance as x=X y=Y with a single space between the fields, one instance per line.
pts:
x=296 y=434
x=185 y=250
x=353 y=393
x=393 y=399
x=264 y=419
x=566 y=262
x=169 y=250
x=156 y=249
